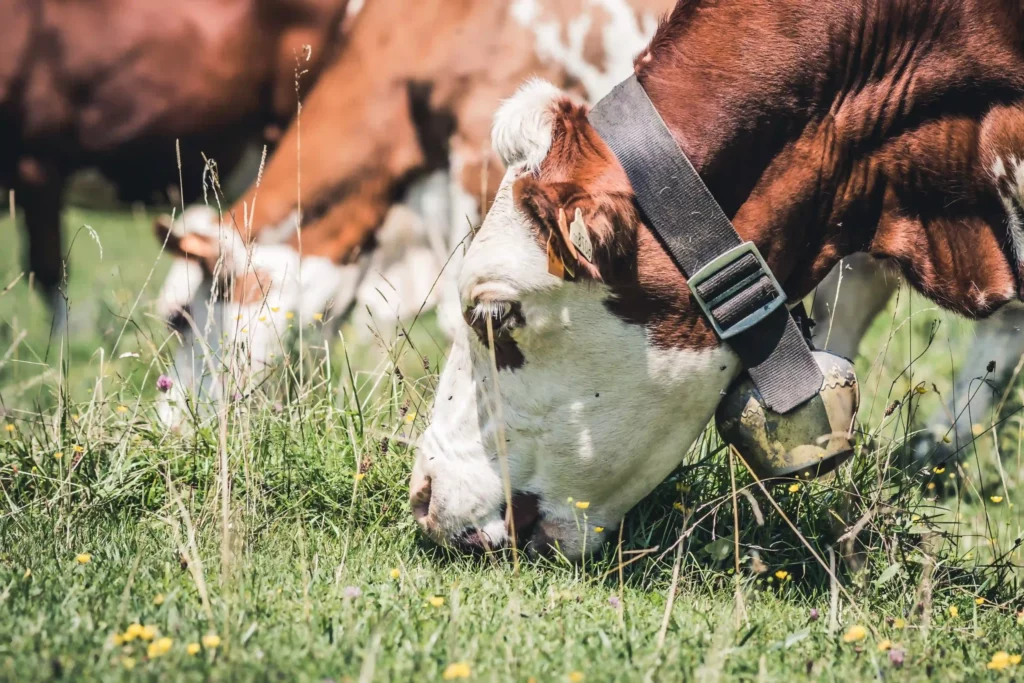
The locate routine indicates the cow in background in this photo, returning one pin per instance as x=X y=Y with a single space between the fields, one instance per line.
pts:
x=404 y=113
x=859 y=288
x=112 y=84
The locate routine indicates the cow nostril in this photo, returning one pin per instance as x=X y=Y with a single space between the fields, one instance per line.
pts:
x=420 y=501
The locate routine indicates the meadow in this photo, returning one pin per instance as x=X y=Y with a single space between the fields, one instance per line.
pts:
x=274 y=539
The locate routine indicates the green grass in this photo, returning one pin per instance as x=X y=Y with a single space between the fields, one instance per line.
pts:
x=265 y=535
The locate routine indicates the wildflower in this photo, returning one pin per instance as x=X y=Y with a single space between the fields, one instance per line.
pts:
x=352 y=591
x=9 y=427
x=76 y=417
x=159 y=647
x=77 y=449
x=678 y=506
x=1015 y=659
x=117 y=639
x=27 y=574
x=263 y=318
x=83 y=558
x=576 y=677
x=275 y=309
x=192 y=649
x=954 y=611
x=614 y=601
x=896 y=656
x=1000 y=661
x=931 y=486
x=58 y=455
x=289 y=315
x=885 y=645
x=921 y=389
x=781 y=575
x=915 y=518
x=899 y=623
x=996 y=499
x=122 y=409
x=211 y=641
x=164 y=384
x=396 y=573
x=128 y=662
x=855 y=634
x=158 y=599
x=455 y=671
x=245 y=330
x=436 y=601
x=238 y=317
x=582 y=504
x=814 y=614
x=977 y=429
x=410 y=417
x=979 y=601
x=939 y=470
x=793 y=488
x=132 y=632
x=318 y=317
x=598 y=529
x=147 y=633
x=360 y=476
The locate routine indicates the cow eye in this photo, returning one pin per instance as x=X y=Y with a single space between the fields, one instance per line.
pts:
x=505 y=316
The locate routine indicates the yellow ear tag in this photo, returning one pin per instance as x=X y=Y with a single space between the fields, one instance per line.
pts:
x=580 y=237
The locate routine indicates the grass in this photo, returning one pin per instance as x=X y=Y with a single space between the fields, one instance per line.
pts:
x=292 y=542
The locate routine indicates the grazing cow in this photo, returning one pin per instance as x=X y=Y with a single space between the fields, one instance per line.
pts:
x=893 y=127
x=113 y=84
x=847 y=301
x=401 y=108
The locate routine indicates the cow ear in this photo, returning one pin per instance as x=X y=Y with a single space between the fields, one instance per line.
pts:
x=190 y=245
x=590 y=232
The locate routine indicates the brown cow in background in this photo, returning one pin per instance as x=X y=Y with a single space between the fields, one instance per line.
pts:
x=112 y=84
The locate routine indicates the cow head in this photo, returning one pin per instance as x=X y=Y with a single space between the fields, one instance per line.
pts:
x=587 y=401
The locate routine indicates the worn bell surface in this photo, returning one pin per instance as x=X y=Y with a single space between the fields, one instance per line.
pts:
x=807 y=442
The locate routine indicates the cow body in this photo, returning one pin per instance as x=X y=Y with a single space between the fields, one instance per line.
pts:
x=894 y=128
x=114 y=85
x=407 y=103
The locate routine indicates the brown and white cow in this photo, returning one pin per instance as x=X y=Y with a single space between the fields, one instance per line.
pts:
x=407 y=104
x=113 y=84
x=893 y=127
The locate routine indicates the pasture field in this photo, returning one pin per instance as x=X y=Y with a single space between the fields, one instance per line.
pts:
x=274 y=541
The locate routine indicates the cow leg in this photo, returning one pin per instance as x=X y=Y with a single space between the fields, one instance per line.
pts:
x=848 y=299
x=39 y=193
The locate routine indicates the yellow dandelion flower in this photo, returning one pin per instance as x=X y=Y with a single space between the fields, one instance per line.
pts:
x=456 y=671
x=576 y=677
x=318 y=317
x=410 y=417
x=915 y=518
x=977 y=429
x=598 y=529
x=245 y=330
x=159 y=647
x=192 y=649
x=931 y=486
x=128 y=662
x=360 y=476
x=238 y=317
x=582 y=504
x=27 y=574
x=793 y=488
x=122 y=409
x=76 y=417
x=211 y=641
x=996 y=499
x=939 y=470
x=396 y=573
x=275 y=309
x=678 y=506
x=158 y=599
x=83 y=558
x=855 y=634
x=1015 y=659
x=263 y=318
x=9 y=427
x=436 y=601
x=781 y=574
x=1000 y=661
x=979 y=601
x=952 y=475
x=117 y=639
x=58 y=455
x=147 y=633
x=77 y=449
x=885 y=645
x=132 y=632
x=954 y=611
x=289 y=315
x=899 y=623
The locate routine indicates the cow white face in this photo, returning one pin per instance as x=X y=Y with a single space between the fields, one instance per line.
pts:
x=583 y=410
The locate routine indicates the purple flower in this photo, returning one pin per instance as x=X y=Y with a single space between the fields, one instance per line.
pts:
x=164 y=384
x=614 y=601
x=896 y=656
x=352 y=591
x=278 y=408
x=814 y=614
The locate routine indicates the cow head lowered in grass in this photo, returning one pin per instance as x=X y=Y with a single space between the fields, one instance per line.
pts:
x=823 y=129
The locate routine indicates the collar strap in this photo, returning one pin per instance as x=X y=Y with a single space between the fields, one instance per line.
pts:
x=727 y=276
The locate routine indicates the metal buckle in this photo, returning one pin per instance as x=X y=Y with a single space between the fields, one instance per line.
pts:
x=714 y=267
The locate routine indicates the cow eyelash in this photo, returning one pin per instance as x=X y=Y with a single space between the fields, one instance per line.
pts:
x=505 y=316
